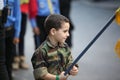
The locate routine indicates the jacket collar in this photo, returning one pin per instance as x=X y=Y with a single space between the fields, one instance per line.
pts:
x=49 y=43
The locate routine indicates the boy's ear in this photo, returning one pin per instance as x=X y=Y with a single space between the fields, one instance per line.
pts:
x=53 y=31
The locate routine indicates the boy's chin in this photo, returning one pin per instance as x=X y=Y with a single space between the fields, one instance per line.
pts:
x=62 y=41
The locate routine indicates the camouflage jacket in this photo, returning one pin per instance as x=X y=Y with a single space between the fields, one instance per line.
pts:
x=50 y=59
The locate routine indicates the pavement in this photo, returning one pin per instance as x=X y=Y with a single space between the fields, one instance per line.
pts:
x=100 y=62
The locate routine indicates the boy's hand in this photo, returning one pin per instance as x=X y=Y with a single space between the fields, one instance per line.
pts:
x=62 y=76
x=74 y=71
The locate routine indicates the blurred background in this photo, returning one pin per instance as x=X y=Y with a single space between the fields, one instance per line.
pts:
x=88 y=17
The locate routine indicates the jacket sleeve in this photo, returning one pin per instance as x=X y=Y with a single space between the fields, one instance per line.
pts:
x=17 y=15
x=39 y=64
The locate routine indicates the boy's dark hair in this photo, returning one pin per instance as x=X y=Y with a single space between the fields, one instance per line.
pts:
x=54 y=21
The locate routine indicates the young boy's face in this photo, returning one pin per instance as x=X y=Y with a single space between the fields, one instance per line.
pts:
x=62 y=33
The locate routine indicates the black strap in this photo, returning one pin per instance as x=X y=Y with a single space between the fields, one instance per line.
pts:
x=5 y=13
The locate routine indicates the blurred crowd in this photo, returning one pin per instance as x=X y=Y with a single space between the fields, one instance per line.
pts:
x=13 y=24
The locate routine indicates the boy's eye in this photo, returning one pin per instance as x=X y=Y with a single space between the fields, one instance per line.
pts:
x=65 y=31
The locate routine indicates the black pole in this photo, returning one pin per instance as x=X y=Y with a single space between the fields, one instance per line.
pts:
x=90 y=44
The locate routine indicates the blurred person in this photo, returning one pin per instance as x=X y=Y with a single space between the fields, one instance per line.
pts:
x=53 y=56
x=12 y=31
x=65 y=7
x=3 y=69
x=39 y=10
x=19 y=58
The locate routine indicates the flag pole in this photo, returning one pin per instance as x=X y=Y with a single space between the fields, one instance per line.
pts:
x=90 y=44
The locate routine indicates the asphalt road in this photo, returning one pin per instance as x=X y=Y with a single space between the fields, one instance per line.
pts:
x=100 y=61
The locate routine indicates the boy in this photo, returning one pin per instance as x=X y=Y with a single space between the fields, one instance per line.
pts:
x=53 y=57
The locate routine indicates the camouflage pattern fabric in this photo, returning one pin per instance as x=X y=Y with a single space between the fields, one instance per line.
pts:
x=51 y=59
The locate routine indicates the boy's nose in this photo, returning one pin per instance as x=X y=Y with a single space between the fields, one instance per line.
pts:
x=68 y=34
